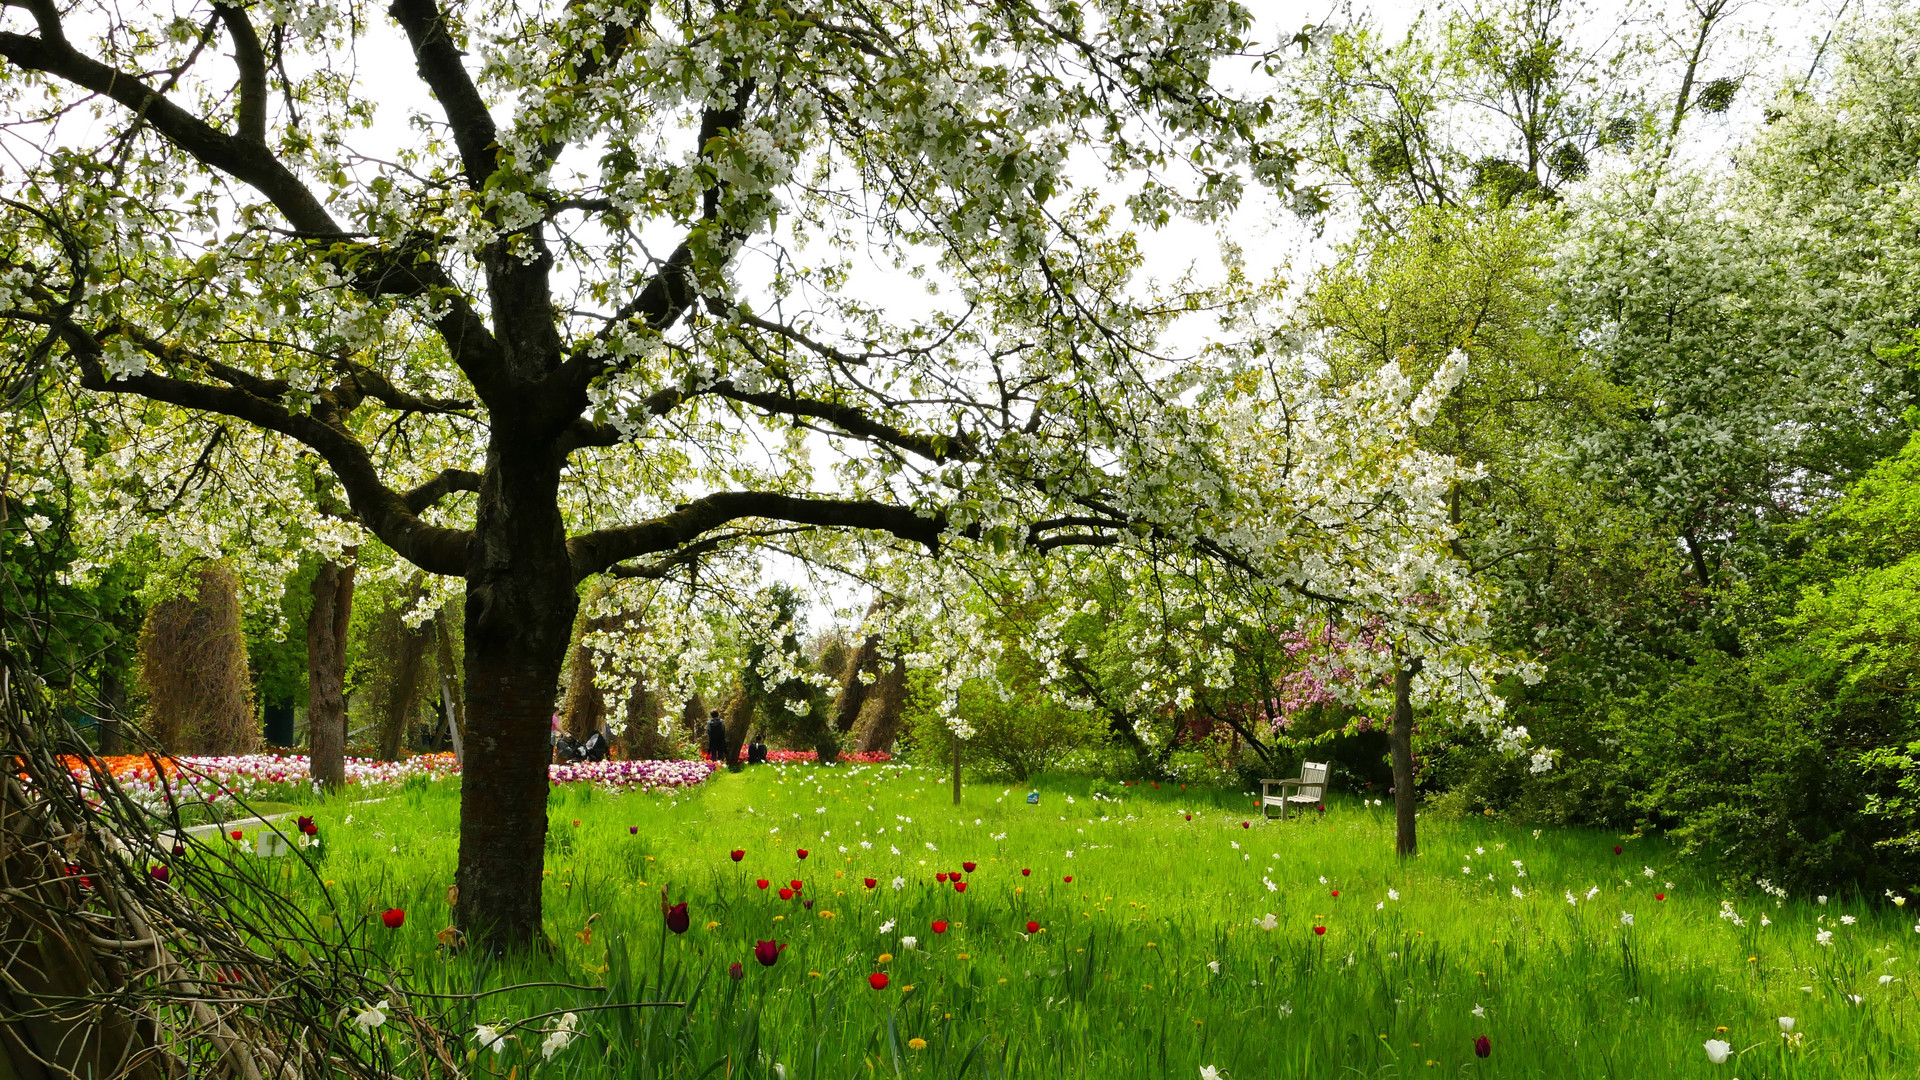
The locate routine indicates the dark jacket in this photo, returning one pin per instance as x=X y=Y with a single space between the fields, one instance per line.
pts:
x=717 y=738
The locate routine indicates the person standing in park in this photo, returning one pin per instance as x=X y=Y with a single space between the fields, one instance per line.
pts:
x=716 y=737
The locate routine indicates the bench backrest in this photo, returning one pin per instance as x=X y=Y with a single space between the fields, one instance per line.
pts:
x=1313 y=779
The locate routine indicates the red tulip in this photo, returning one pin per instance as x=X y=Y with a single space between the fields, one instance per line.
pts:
x=969 y=866
x=236 y=834
x=576 y=823
x=393 y=917
x=738 y=854
x=1336 y=892
x=1024 y=872
x=802 y=853
x=1246 y=824
x=763 y=883
x=1320 y=930
x=1068 y=879
x=307 y=826
x=1156 y=785
x=877 y=980
x=939 y=926
x=870 y=883
x=1616 y=849
x=1032 y=927
x=795 y=883
x=1189 y=817
x=160 y=873
x=786 y=894
x=941 y=877
x=767 y=952
x=633 y=830
x=735 y=971
x=1482 y=1047
x=1659 y=896
x=677 y=920
x=959 y=886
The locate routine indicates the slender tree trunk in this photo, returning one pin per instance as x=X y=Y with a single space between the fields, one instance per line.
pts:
x=519 y=617
x=327 y=672
x=1400 y=742
x=450 y=683
x=113 y=709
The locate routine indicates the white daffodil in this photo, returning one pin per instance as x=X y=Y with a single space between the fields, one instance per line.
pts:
x=372 y=1016
x=886 y=927
x=1213 y=966
x=489 y=1038
x=1479 y=1011
x=1208 y=1072
x=899 y=883
x=1266 y=922
x=1626 y=918
x=1824 y=937
x=562 y=1034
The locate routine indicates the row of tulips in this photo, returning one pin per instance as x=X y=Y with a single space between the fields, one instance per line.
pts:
x=206 y=779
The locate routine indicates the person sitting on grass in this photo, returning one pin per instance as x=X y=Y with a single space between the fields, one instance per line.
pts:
x=756 y=751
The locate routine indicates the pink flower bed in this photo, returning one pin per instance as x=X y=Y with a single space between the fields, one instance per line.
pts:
x=659 y=775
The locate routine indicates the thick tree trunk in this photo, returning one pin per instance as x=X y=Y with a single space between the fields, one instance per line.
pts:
x=193 y=665
x=642 y=738
x=327 y=673
x=694 y=719
x=880 y=713
x=519 y=617
x=408 y=661
x=1400 y=743
x=739 y=717
x=864 y=660
x=585 y=707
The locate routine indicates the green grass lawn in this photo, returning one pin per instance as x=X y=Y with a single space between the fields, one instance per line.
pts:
x=1152 y=961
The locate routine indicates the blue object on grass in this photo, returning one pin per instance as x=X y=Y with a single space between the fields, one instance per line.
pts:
x=1033 y=798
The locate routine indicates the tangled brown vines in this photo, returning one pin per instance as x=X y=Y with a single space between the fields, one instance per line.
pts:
x=130 y=949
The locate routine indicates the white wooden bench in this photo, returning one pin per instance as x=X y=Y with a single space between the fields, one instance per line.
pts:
x=1309 y=789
